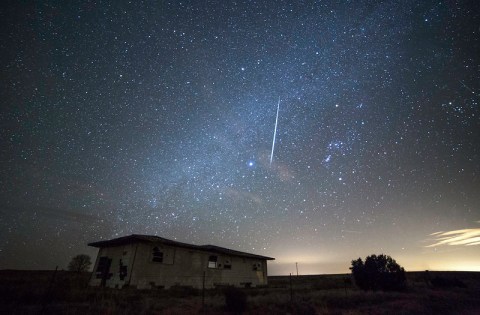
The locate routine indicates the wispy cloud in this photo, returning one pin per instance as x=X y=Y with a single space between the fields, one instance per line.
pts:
x=464 y=237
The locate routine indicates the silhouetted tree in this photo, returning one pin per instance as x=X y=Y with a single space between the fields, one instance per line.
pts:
x=378 y=272
x=80 y=263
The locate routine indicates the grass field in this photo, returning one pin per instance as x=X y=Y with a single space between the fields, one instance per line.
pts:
x=39 y=292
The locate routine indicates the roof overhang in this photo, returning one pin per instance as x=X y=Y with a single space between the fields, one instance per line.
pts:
x=138 y=238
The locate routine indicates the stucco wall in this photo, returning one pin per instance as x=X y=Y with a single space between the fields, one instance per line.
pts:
x=117 y=254
x=180 y=266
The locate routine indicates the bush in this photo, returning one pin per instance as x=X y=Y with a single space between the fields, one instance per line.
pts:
x=80 y=263
x=378 y=272
x=235 y=300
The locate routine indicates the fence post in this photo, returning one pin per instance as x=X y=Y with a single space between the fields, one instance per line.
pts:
x=203 y=291
x=291 y=289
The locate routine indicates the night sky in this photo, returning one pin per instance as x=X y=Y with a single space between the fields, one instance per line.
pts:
x=158 y=118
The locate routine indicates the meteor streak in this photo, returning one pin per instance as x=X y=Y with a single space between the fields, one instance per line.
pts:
x=275 y=131
x=466 y=86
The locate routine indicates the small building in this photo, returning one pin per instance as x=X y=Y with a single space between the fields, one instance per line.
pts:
x=146 y=262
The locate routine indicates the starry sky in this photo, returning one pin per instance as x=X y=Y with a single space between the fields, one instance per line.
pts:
x=158 y=117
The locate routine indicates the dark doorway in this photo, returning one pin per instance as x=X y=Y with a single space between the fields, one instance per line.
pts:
x=103 y=270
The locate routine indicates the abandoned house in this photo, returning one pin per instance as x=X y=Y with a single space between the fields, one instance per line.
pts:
x=145 y=262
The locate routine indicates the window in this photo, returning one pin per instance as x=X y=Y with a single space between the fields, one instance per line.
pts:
x=227 y=264
x=122 y=272
x=212 y=261
x=157 y=255
x=257 y=266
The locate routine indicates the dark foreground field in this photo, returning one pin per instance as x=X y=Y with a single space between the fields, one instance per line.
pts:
x=38 y=292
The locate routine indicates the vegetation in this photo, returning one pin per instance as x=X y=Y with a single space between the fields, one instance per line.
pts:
x=80 y=263
x=378 y=273
x=66 y=292
x=442 y=282
x=235 y=300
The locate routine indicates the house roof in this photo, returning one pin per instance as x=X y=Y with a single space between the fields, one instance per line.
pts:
x=157 y=239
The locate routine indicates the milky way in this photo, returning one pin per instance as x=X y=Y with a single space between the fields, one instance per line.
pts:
x=157 y=117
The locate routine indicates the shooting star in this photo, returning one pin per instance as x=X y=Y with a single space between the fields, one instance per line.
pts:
x=466 y=86
x=275 y=131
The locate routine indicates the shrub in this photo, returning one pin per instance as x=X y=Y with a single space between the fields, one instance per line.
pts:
x=235 y=300
x=378 y=272
x=80 y=263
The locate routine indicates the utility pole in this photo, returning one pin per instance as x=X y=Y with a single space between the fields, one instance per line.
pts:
x=296 y=266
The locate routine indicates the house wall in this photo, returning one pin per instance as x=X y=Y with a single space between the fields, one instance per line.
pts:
x=118 y=254
x=180 y=266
